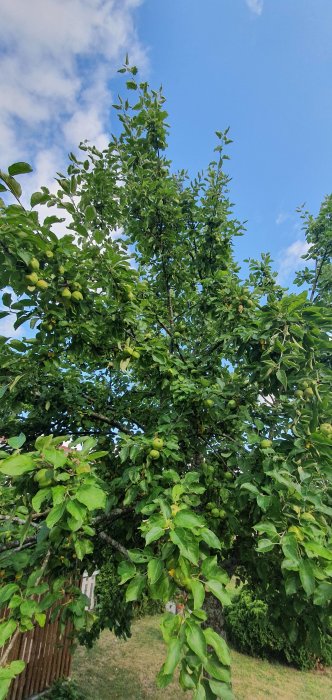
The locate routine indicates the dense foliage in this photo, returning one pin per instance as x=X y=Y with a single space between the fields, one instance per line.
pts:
x=255 y=628
x=209 y=393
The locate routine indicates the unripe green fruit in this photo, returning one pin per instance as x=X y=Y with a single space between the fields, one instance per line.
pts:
x=33 y=277
x=222 y=513
x=326 y=429
x=231 y=403
x=34 y=264
x=305 y=384
x=49 y=253
x=76 y=285
x=49 y=327
x=136 y=354
x=298 y=393
x=265 y=444
x=154 y=454
x=215 y=512
x=42 y=284
x=66 y=293
x=158 y=443
x=77 y=296
x=308 y=393
x=208 y=403
x=62 y=270
x=250 y=302
x=228 y=476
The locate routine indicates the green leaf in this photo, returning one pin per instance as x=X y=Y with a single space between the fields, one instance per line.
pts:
x=19 y=169
x=218 y=591
x=6 y=630
x=318 y=549
x=210 y=538
x=58 y=493
x=219 y=645
x=264 y=545
x=38 y=198
x=196 y=640
x=216 y=670
x=154 y=534
x=40 y=619
x=198 y=592
x=135 y=588
x=221 y=690
x=187 y=519
x=282 y=377
x=290 y=548
x=323 y=593
x=126 y=571
x=55 y=515
x=56 y=457
x=17 y=442
x=39 y=499
x=155 y=569
x=16 y=465
x=307 y=576
x=90 y=213
x=91 y=496
x=76 y=510
x=173 y=656
x=7 y=591
x=187 y=544
x=200 y=693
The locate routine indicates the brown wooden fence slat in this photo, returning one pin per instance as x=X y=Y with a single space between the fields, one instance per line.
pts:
x=46 y=652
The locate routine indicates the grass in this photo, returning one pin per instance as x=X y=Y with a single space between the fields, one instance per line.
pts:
x=118 y=670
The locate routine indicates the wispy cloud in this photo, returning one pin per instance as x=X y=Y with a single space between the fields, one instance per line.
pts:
x=56 y=61
x=255 y=6
x=282 y=217
x=290 y=260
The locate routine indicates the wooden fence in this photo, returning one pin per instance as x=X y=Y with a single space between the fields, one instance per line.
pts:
x=46 y=652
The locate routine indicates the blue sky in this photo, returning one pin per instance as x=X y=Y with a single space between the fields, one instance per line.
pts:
x=267 y=73
x=262 y=67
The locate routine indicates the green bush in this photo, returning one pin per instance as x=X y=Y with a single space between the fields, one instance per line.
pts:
x=64 y=690
x=253 y=628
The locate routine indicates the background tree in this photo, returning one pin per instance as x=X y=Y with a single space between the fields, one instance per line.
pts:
x=209 y=393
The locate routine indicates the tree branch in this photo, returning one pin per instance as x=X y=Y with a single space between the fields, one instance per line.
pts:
x=116 y=545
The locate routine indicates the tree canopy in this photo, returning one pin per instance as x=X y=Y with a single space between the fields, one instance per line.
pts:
x=205 y=392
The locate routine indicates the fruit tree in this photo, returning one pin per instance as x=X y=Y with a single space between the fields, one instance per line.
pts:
x=199 y=398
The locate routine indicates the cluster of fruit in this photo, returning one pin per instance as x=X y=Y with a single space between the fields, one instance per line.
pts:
x=157 y=445
x=306 y=392
x=33 y=278
x=215 y=511
x=326 y=430
x=72 y=292
x=131 y=352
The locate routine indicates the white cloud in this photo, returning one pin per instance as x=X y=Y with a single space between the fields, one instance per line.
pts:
x=56 y=60
x=255 y=6
x=290 y=260
x=282 y=217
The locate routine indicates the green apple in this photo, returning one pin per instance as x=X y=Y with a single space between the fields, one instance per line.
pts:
x=34 y=264
x=154 y=454
x=265 y=444
x=42 y=284
x=33 y=278
x=158 y=443
x=66 y=293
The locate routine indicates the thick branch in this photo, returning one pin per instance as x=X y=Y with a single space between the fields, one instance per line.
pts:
x=116 y=545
